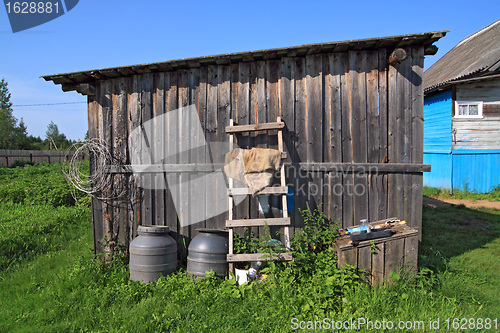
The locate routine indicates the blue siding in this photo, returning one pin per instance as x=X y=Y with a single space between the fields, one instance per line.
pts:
x=476 y=170
x=440 y=175
x=472 y=170
x=438 y=122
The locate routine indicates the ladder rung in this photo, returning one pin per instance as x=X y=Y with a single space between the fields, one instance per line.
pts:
x=255 y=127
x=267 y=190
x=287 y=256
x=258 y=222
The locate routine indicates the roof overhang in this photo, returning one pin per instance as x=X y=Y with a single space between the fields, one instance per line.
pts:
x=470 y=79
x=79 y=80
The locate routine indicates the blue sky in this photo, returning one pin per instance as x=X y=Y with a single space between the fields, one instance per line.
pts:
x=100 y=34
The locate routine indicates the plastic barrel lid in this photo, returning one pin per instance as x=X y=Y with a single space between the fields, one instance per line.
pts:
x=153 y=228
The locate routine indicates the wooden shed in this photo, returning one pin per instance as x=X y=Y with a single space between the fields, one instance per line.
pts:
x=353 y=112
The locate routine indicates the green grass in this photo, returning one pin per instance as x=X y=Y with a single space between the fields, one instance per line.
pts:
x=437 y=193
x=41 y=184
x=28 y=230
x=62 y=288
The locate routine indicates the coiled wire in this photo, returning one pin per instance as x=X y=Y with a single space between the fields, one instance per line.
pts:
x=97 y=183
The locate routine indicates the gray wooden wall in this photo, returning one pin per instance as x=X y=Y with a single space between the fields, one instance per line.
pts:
x=478 y=133
x=348 y=107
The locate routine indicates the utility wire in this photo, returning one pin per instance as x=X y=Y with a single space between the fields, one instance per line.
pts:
x=48 y=104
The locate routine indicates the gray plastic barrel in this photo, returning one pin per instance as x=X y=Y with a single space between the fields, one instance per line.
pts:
x=152 y=254
x=208 y=251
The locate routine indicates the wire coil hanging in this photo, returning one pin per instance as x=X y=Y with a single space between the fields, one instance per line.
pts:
x=97 y=183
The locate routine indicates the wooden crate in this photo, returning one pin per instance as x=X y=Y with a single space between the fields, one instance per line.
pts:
x=379 y=257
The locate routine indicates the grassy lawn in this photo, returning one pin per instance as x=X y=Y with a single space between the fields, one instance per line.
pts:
x=437 y=193
x=53 y=284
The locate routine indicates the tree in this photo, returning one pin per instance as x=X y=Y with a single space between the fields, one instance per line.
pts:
x=12 y=134
x=54 y=137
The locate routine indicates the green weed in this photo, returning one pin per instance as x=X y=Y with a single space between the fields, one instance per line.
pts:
x=64 y=288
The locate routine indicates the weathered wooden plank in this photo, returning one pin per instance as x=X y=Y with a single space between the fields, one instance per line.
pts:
x=234 y=90
x=347 y=179
x=301 y=178
x=383 y=123
x=407 y=153
x=159 y=139
x=93 y=122
x=257 y=222
x=326 y=167
x=401 y=112
x=267 y=190
x=314 y=127
x=411 y=254
x=273 y=74
x=223 y=116
x=418 y=134
x=202 y=152
x=197 y=139
x=358 y=66
x=120 y=135
x=242 y=210
x=183 y=210
x=333 y=132
x=254 y=127
x=373 y=131
x=171 y=148
x=253 y=119
x=392 y=115
x=164 y=168
x=134 y=116
x=252 y=108
x=147 y=198
x=350 y=257
x=287 y=102
x=365 y=262
x=378 y=264
x=211 y=131
x=340 y=256
x=105 y=134
x=259 y=257
x=261 y=103
x=394 y=253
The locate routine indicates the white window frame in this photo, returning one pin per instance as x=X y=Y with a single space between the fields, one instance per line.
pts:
x=479 y=109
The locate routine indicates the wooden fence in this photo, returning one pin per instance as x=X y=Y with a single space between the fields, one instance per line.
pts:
x=9 y=158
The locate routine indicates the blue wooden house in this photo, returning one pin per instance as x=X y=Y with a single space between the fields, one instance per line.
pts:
x=462 y=115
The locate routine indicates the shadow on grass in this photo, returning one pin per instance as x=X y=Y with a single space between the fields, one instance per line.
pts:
x=450 y=231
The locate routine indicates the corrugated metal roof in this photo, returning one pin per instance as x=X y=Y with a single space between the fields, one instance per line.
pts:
x=70 y=81
x=478 y=54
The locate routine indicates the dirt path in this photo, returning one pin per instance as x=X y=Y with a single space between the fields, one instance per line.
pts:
x=467 y=203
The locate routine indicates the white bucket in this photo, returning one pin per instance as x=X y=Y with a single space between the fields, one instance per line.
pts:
x=241 y=275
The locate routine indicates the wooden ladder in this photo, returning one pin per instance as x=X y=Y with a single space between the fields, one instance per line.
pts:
x=282 y=190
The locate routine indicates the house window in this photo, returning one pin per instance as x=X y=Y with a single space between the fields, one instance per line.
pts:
x=469 y=109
